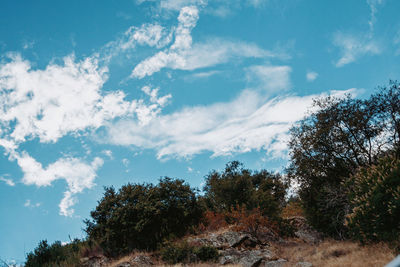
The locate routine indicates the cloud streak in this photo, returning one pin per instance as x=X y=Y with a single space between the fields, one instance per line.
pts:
x=353 y=47
x=249 y=122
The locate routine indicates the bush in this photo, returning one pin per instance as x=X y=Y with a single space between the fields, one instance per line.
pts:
x=55 y=254
x=236 y=186
x=212 y=221
x=184 y=253
x=251 y=222
x=142 y=216
x=375 y=196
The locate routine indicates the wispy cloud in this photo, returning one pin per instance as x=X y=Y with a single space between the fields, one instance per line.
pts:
x=373 y=5
x=28 y=203
x=270 y=78
x=204 y=74
x=353 y=47
x=184 y=55
x=311 y=76
x=8 y=181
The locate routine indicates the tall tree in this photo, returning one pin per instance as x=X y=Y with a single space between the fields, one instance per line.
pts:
x=338 y=137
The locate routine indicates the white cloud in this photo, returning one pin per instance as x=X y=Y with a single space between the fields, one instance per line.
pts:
x=249 y=122
x=59 y=100
x=108 y=153
x=205 y=74
x=147 y=34
x=28 y=203
x=77 y=174
x=55 y=101
x=353 y=47
x=125 y=162
x=9 y=182
x=270 y=78
x=185 y=56
x=311 y=76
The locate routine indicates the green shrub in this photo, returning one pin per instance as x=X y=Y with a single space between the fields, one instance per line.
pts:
x=236 y=186
x=142 y=216
x=185 y=253
x=206 y=253
x=375 y=196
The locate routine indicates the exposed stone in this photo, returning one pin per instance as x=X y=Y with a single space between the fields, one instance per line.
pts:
x=247 y=258
x=142 y=260
x=250 y=258
x=225 y=240
x=308 y=236
x=304 y=264
x=124 y=264
x=96 y=261
x=277 y=263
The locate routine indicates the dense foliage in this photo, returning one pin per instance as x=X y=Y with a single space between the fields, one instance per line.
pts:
x=141 y=216
x=332 y=143
x=236 y=186
x=375 y=196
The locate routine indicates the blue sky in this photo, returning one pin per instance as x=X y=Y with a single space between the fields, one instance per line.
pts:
x=100 y=93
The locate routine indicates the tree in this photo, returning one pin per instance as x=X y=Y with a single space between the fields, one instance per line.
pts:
x=141 y=216
x=237 y=186
x=328 y=146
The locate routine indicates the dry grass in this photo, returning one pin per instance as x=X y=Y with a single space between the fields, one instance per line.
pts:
x=199 y=265
x=331 y=253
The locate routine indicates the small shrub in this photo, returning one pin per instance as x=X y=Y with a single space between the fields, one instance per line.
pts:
x=293 y=208
x=185 y=253
x=285 y=228
x=206 y=253
x=55 y=254
x=213 y=221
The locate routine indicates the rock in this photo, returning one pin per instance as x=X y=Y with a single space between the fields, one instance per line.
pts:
x=124 y=264
x=266 y=235
x=225 y=240
x=304 y=264
x=233 y=239
x=250 y=259
x=247 y=258
x=229 y=256
x=277 y=263
x=141 y=260
x=96 y=261
x=308 y=236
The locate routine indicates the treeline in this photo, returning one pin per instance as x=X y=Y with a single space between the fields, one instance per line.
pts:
x=344 y=157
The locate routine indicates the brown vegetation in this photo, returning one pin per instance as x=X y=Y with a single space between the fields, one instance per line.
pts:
x=332 y=253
